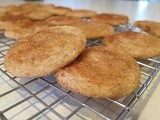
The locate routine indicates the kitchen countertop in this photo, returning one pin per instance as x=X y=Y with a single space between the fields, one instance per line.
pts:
x=148 y=106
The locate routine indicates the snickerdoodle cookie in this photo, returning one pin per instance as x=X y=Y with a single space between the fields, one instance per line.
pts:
x=101 y=73
x=139 y=45
x=45 y=52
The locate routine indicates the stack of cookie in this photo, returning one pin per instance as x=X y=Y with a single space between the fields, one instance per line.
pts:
x=55 y=43
x=27 y=19
x=96 y=72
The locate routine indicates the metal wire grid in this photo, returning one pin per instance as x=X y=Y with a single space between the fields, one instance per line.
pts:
x=43 y=98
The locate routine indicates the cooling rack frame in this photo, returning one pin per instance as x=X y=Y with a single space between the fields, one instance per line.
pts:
x=149 y=69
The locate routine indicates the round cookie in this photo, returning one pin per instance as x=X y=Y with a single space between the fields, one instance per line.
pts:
x=19 y=32
x=10 y=21
x=31 y=6
x=81 y=13
x=38 y=15
x=36 y=11
x=45 y=52
x=48 y=7
x=60 y=10
x=150 y=27
x=23 y=30
x=101 y=73
x=11 y=9
x=62 y=20
x=111 y=19
x=139 y=45
x=94 y=30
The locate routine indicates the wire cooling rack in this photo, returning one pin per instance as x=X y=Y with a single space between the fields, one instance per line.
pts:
x=44 y=99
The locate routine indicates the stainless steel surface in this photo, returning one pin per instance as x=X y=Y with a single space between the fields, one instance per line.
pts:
x=43 y=98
